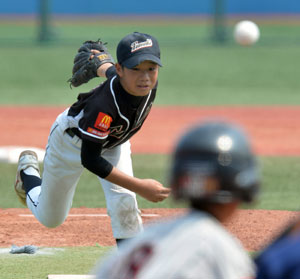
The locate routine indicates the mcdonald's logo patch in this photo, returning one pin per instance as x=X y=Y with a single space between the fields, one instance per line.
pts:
x=103 y=122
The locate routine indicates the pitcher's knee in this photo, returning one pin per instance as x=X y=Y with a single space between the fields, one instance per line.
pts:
x=51 y=222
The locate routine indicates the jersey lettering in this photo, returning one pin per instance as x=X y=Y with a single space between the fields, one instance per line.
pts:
x=117 y=131
x=103 y=122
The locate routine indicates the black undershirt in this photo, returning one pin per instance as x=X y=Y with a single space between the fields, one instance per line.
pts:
x=111 y=71
x=91 y=159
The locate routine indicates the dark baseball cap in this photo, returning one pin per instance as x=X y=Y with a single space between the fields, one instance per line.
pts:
x=137 y=47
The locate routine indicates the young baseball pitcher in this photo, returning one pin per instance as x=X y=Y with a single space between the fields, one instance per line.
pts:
x=214 y=170
x=94 y=134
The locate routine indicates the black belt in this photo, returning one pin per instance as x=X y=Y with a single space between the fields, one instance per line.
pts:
x=73 y=132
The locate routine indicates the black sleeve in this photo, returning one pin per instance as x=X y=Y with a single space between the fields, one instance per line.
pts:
x=111 y=71
x=92 y=160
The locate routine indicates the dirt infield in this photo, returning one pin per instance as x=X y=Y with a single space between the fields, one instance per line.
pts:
x=273 y=131
x=89 y=226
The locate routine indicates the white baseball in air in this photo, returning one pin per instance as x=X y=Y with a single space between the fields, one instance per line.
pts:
x=246 y=33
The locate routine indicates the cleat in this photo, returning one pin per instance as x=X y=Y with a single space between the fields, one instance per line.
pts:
x=27 y=159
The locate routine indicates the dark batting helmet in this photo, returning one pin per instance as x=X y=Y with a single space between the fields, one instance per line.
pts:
x=213 y=162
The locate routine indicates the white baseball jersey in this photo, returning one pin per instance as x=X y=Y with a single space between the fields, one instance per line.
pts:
x=193 y=246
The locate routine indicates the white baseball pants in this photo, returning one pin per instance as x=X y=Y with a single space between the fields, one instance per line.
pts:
x=51 y=202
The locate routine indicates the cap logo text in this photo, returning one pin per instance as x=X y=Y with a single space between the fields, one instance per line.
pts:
x=136 y=45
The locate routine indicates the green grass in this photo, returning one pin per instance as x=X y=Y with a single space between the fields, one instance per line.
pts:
x=196 y=71
x=69 y=260
x=280 y=187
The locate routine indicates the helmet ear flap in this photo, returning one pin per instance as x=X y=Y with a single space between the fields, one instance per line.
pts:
x=194 y=184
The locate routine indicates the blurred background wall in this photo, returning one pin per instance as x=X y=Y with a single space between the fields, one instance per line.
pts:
x=151 y=7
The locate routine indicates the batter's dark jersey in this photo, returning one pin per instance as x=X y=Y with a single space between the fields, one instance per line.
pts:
x=109 y=115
